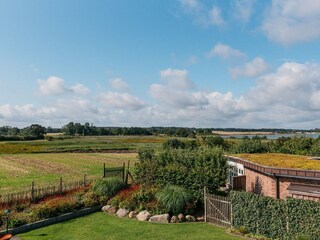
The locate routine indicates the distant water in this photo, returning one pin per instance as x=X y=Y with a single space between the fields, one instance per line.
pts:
x=275 y=136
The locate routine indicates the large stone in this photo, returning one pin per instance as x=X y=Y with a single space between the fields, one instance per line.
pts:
x=109 y=209
x=144 y=216
x=174 y=219
x=181 y=217
x=133 y=214
x=163 y=218
x=190 y=218
x=200 y=219
x=105 y=208
x=122 y=212
x=112 y=210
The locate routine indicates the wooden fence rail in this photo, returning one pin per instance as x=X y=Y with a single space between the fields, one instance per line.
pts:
x=36 y=193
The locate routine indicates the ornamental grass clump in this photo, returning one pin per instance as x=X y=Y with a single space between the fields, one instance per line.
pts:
x=174 y=198
x=108 y=187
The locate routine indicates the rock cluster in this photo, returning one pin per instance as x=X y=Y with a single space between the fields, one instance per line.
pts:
x=146 y=216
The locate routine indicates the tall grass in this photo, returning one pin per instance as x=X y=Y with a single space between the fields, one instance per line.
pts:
x=108 y=187
x=174 y=198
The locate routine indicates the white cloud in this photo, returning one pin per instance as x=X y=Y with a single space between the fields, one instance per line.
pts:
x=80 y=89
x=251 y=69
x=293 y=21
x=121 y=101
x=288 y=97
x=53 y=85
x=56 y=86
x=202 y=14
x=119 y=84
x=243 y=9
x=193 y=5
x=176 y=78
x=224 y=51
x=215 y=17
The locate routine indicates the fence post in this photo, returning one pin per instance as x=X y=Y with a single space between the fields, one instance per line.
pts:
x=60 y=185
x=84 y=179
x=32 y=191
x=104 y=170
x=123 y=170
x=205 y=203
x=127 y=173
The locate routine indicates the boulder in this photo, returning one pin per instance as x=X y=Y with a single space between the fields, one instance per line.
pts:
x=174 y=219
x=109 y=209
x=105 y=208
x=181 y=217
x=200 y=219
x=163 y=218
x=122 y=212
x=144 y=216
x=133 y=214
x=190 y=218
x=112 y=210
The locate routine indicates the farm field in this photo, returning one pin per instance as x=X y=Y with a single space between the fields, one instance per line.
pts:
x=80 y=144
x=18 y=170
x=102 y=226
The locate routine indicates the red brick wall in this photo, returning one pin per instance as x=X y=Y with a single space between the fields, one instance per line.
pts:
x=260 y=184
x=266 y=185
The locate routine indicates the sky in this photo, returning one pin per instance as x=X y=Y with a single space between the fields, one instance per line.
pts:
x=183 y=63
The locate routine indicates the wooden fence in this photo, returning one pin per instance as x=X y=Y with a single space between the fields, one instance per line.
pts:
x=217 y=209
x=36 y=193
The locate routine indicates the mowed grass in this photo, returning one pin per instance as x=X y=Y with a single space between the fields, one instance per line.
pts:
x=17 y=171
x=282 y=160
x=101 y=226
x=81 y=144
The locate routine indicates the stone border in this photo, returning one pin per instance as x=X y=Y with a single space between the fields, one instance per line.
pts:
x=46 y=222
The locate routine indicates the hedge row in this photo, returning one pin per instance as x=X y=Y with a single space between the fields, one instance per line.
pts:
x=274 y=218
x=189 y=168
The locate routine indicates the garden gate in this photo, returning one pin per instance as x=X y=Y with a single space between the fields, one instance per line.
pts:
x=217 y=209
x=114 y=172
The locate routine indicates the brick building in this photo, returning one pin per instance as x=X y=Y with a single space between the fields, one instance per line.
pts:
x=273 y=182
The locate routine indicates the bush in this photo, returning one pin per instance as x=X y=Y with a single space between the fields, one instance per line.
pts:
x=174 y=198
x=18 y=219
x=189 y=168
x=108 y=187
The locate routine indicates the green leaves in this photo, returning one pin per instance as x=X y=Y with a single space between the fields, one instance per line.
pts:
x=189 y=168
x=273 y=218
x=174 y=198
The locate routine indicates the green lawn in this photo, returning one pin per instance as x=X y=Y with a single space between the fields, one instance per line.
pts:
x=103 y=226
x=18 y=170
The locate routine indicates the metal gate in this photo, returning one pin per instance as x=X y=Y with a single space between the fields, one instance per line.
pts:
x=217 y=209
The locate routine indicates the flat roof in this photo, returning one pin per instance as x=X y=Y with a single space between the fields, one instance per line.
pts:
x=278 y=160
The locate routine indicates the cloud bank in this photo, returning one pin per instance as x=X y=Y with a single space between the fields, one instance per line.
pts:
x=287 y=97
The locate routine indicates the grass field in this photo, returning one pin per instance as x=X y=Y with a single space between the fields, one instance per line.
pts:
x=282 y=160
x=18 y=170
x=102 y=226
x=80 y=144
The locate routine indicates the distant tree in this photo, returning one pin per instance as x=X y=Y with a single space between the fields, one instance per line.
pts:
x=34 y=130
x=69 y=129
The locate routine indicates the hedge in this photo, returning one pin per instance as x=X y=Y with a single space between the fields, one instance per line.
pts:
x=189 y=168
x=276 y=219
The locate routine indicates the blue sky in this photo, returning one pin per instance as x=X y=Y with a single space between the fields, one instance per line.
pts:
x=192 y=63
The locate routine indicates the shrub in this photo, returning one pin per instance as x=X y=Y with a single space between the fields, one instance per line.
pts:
x=53 y=207
x=174 y=198
x=108 y=187
x=189 y=168
x=18 y=219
